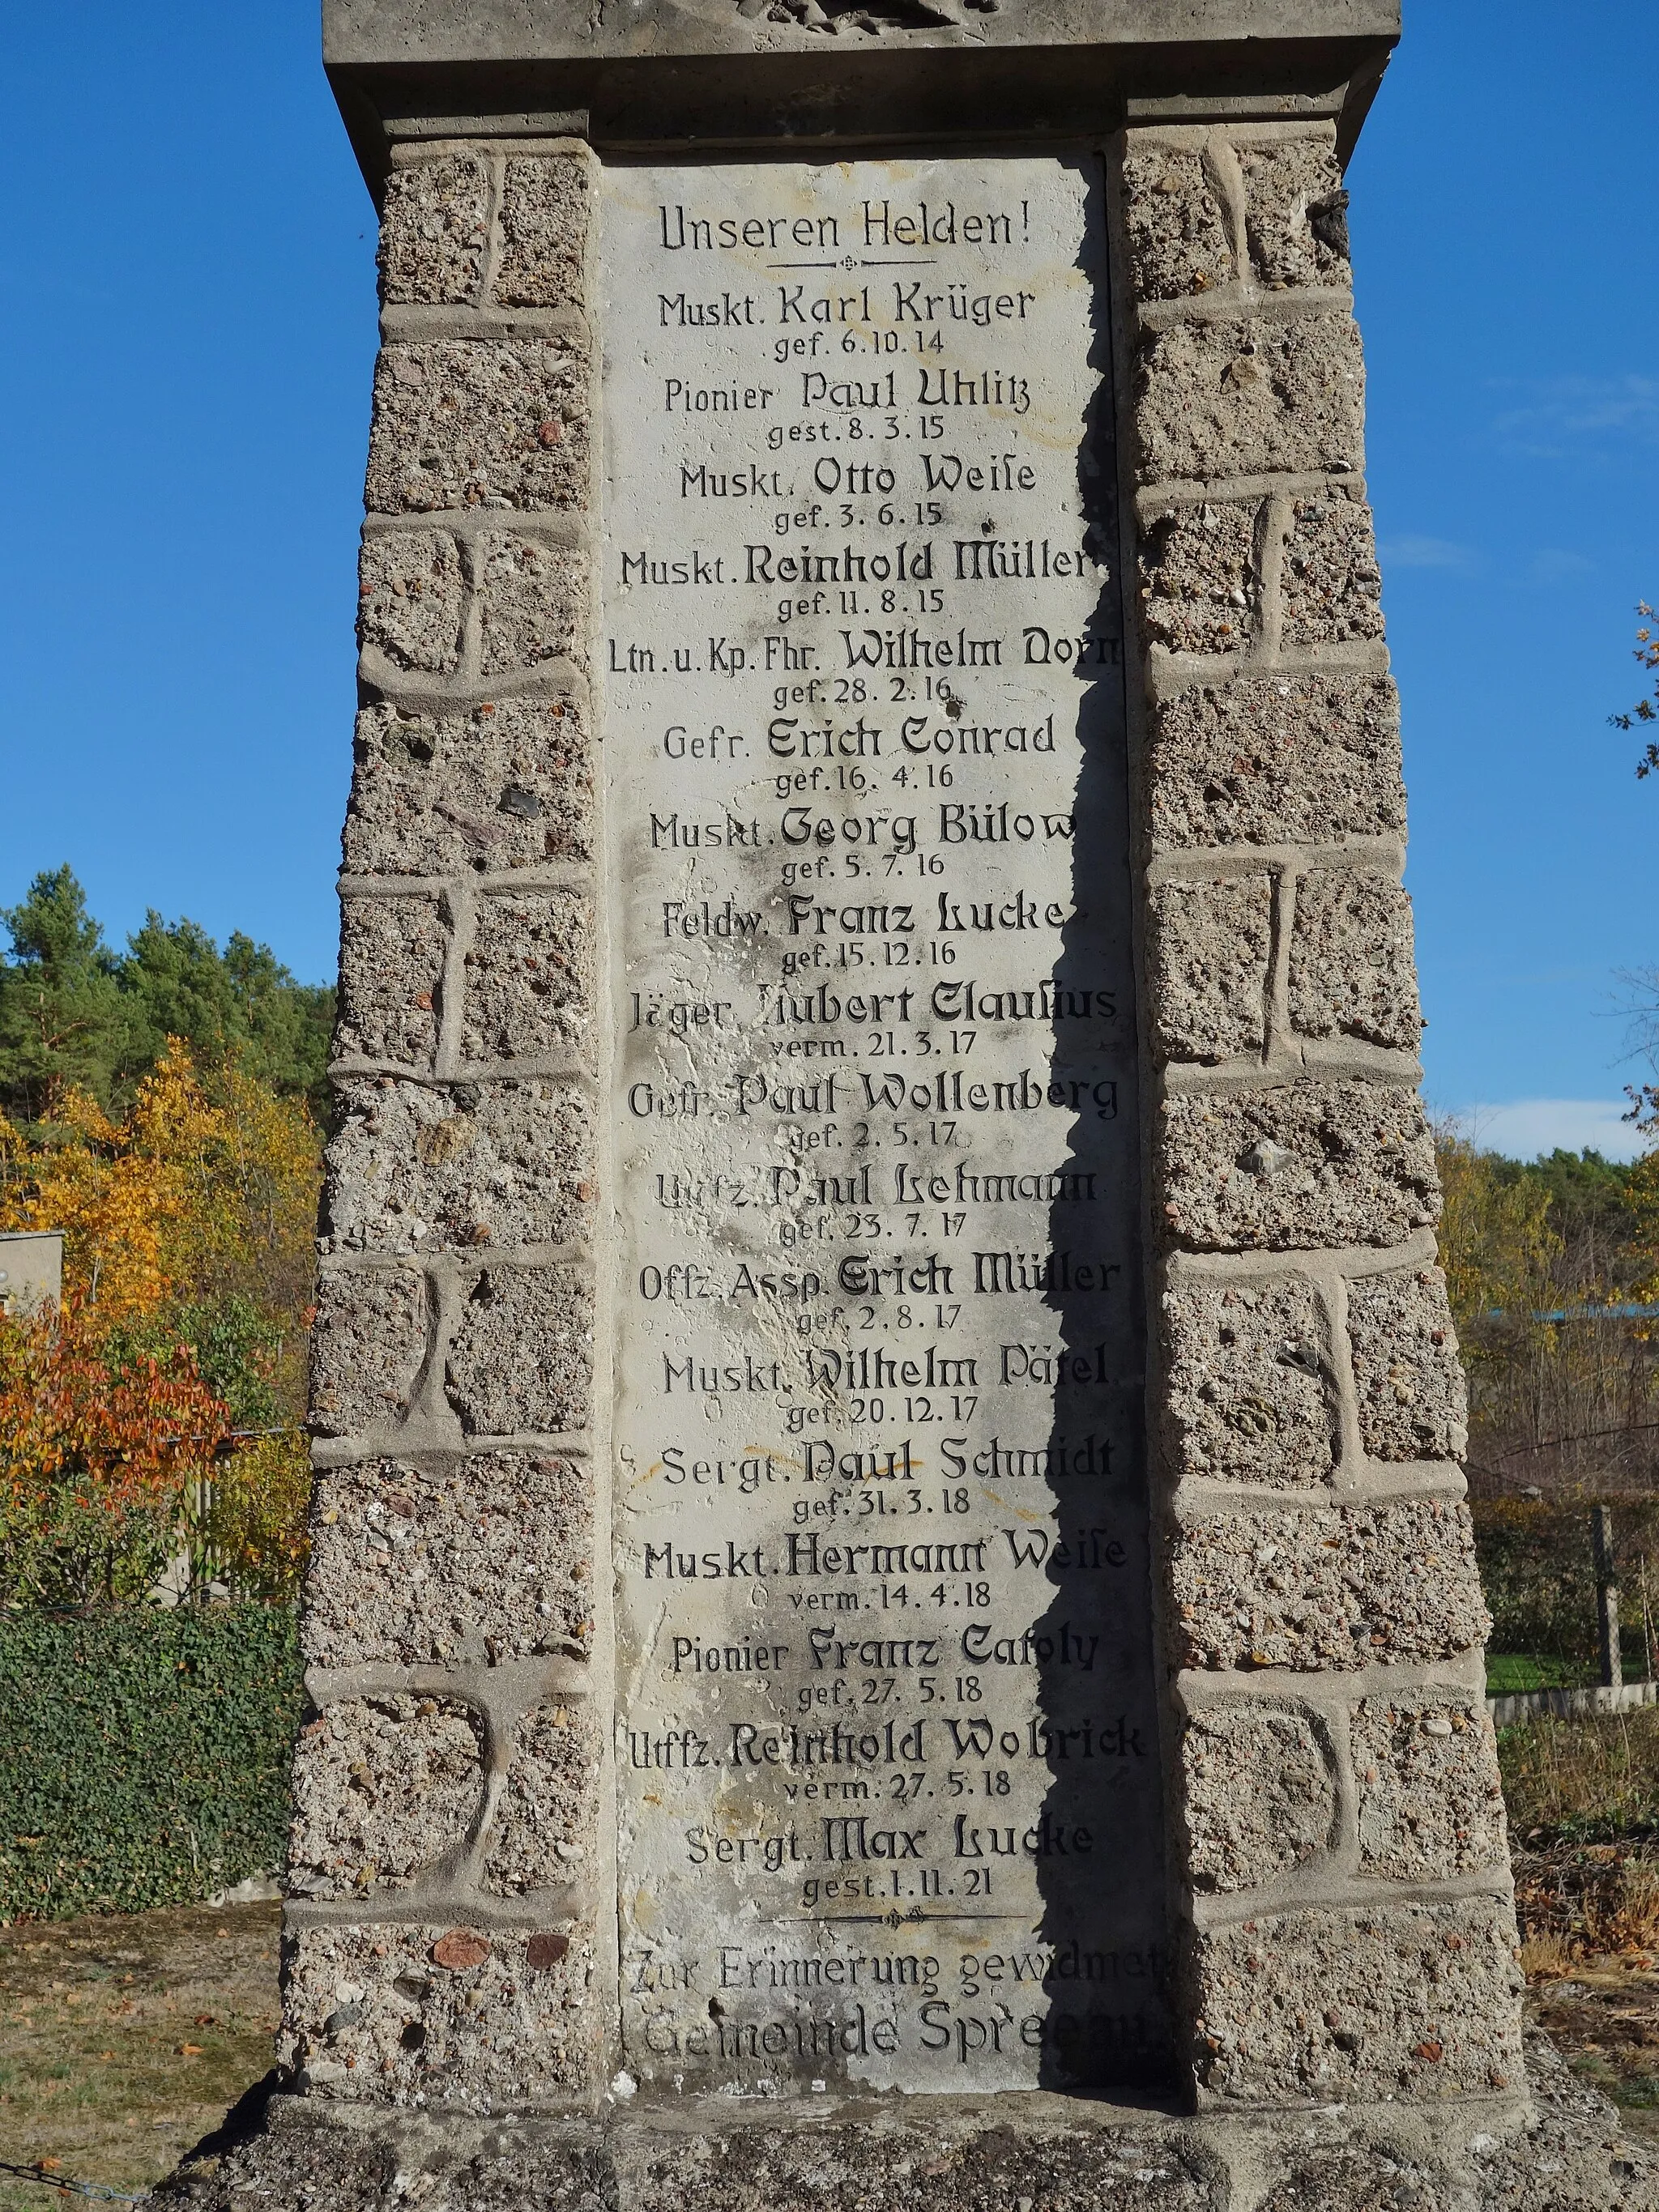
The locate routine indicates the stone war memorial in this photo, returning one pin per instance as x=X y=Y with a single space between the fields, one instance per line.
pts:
x=891 y=1619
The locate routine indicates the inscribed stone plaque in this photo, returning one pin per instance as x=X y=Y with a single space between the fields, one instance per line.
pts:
x=889 y=1793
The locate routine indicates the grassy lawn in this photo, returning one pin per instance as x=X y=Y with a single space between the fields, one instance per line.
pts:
x=124 y=2039
x=1508 y=1672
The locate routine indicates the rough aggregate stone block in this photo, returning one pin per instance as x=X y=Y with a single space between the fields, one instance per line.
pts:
x=1289 y=759
x=434 y=227
x=462 y=2015
x=1413 y=1399
x=985 y=2160
x=1295 y=223
x=1259 y=1791
x=1398 y=2001
x=1245 y=399
x=1245 y=1385
x=1212 y=946
x=1430 y=1802
x=1353 y=971
x=1570 y=2154
x=1297 y=1167
x=533 y=603
x=1332 y=587
x=392 y=959
x=543 y=233
x=542 y=1832
x=486 y=1557
x=529 y=977
x=474 y=422
x=1177 y=232
x=508 y=785
x=413 y=1167
x=522 y=1358
x=410 y=595
x=1198 y=579
x=1358 y=1586
x=368 y=1345
x=383 y=1787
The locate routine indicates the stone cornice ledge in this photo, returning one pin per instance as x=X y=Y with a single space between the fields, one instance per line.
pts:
x=721 y=75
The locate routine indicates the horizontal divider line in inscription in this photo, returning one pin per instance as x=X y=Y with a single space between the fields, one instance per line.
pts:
x=405 y=321
x=1213 y=1914
x=1234 y=302
x=571 y=529
x=511 y=1685
x=328 y=1453
x=471 y=1071
x=459 y=1260
x=1283 y=484
x=553 y=679
x=1179 y=864
x=1295 y=1059
x=1204 y=1496
x=1170 y=674
x=393 y=1908
x=535 y=876
x=578 y=1079
x=1329 y=1688
x=1420 y=1250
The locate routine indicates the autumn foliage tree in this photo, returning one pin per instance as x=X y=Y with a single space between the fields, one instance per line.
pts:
x=159 y=1410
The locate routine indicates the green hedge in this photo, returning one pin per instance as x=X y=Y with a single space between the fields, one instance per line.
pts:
x=143 y=1755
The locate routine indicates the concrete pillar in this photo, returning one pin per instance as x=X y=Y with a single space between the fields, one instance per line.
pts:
x=1340 y=1966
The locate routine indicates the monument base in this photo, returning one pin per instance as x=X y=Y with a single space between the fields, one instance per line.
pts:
x=1564 y=2152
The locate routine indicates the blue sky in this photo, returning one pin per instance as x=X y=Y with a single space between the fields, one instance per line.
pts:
x=187 y=270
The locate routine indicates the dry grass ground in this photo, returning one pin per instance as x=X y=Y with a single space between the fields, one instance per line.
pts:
x=124 y=2039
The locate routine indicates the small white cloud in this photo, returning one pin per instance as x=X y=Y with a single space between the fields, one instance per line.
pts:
x=1412 y=552
x=1526 y=1127
x=1569 y=413
x=1552 y=563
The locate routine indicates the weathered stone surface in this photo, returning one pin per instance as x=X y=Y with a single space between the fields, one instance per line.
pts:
x=1247 y=398
x=543 y=233
x=529 y=976
x=1568 y=2154
x=367 y=1345
x=508 y=785
x=534 y=603
x=1353 y=972
x=474 y=422
x=522 y=1360
x=1361 y=1586
x=410 y=596
x=1212 y=945
x=1430 y=1803
x=954 y=2159
x=1290 y=759
x=1310 y=1165
x=1259 y=1792
x=377 y=2012
x=542 y=1833
x=392 y=960
x=1332 y=587
x=489 y=1557
x=1176 y=230
x=414 y=1167
x=1296 y=224
x=434 y=227
x=977 y=2160
x=1199 y=578
x=1413 y=1401
x=383 y=1786
x=1395 y=2001
x=1245 y=1384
